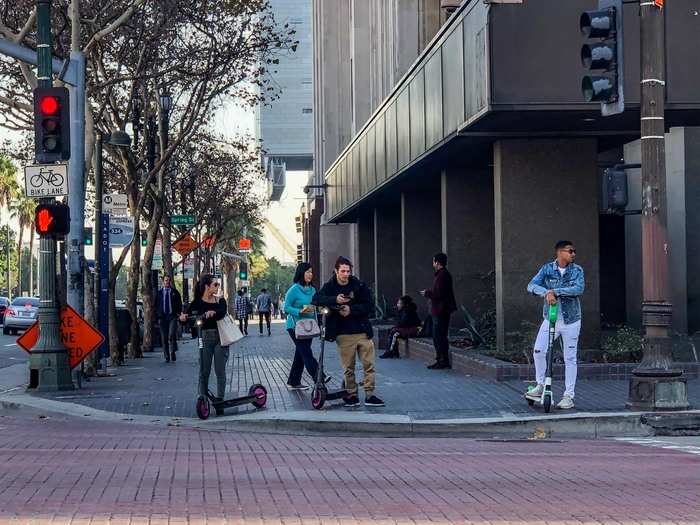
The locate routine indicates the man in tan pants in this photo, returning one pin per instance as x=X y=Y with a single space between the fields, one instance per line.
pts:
x=351 y=303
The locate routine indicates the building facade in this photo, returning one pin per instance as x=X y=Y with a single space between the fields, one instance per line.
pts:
x=286 y=124
x=480 y=145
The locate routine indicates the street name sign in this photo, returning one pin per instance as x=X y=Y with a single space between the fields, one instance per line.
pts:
x=46 y=180
x=115 y=204
x=121 y=231
x=77 y=335
x=185 y=245
x=183 y=220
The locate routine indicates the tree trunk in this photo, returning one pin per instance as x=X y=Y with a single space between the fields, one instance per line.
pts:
x=113 y=332
x=19 y=260
x=167 y=248
x=146 y=285
x=132 y=295
x=230 y=288
x=90 y=362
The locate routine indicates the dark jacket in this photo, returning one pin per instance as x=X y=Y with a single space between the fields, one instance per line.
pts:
x=175 y=303
x=442 y=296
x=361 y=306
x=408 y=317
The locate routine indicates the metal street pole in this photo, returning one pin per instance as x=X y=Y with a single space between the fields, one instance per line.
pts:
x=101 y=265
x=76 y=198
x=655 y=384
x=48 y=364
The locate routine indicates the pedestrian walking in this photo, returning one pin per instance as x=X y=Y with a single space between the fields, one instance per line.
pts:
x=263 y=303
x=208 y=304
x=298 y=305
x=241 y=306
x=168 y=308
x=280 y=306
x=442 y=304
x=348 y=324
x=561 y=280
x=408 y=326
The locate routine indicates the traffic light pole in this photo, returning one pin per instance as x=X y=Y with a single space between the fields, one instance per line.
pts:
x=655 y=384
x=48 y=364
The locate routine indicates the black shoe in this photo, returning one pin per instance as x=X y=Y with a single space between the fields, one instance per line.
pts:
x=173 y=357
x=219 y=410
x=300 y=386
x=167 y=358
x=351 y=401
x=440 y=365
x=434 y=365
x=386 y=355
x=374 y=401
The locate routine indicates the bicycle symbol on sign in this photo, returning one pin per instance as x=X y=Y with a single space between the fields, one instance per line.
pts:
x=46 y=175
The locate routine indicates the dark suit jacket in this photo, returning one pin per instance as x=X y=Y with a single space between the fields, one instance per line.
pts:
x=175 y=303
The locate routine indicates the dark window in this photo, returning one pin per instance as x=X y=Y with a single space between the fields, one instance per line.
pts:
x=24 y=301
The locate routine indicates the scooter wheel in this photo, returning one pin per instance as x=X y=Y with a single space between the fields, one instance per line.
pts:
x=530 y=402
x=260 y=393
x=203 y=409
x=318 y=398
x=547 y=404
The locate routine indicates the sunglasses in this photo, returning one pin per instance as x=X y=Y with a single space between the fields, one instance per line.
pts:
x=570 y=250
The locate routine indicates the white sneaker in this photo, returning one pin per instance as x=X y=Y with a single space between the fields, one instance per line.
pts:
x=566 y=403
x=535 y=394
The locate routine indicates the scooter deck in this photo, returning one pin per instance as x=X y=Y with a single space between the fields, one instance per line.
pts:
x=227 y=403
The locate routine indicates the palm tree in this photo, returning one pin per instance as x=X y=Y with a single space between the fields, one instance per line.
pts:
x=23 y=211
x=8 y=191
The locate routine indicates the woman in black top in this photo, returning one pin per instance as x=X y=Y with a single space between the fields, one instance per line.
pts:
x=212 y=309
x=408 y=326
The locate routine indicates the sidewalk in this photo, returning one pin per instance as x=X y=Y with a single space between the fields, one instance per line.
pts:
x=151 y=387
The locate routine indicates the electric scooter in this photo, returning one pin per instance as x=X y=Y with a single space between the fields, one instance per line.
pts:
x=257 y=394
x=546 y=401
x=320 y=393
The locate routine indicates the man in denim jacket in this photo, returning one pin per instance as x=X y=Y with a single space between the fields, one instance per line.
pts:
x=560 y=280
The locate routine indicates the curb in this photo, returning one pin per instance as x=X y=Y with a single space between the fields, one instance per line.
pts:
x=580 y=425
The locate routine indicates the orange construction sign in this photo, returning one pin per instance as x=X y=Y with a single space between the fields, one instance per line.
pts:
x=78 y=336
x=244 y=244
x=185 y=245
x=659 y=3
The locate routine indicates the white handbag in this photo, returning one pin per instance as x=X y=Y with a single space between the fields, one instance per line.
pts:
x=307 y=328
x=229 y=333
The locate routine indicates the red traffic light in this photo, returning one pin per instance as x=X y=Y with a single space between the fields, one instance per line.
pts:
x=52 y=219
x=49 y=105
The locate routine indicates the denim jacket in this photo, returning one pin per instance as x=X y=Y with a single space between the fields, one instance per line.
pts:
x=567 y=288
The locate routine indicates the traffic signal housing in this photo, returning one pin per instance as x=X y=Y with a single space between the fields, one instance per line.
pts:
x=603 y=56
x=243 y=271
x=300 y=253
x=51 y=124
x=87 y=236
x=615 y=190
x=52 y=220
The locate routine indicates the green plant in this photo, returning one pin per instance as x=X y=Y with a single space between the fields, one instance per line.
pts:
x=624 y=346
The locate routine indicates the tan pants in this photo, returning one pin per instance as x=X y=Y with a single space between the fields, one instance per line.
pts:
x=348 y=346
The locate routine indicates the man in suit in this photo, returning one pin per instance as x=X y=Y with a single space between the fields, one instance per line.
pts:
x=168 y=309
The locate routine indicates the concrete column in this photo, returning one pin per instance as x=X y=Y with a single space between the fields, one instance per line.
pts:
x=335 y=240
x=364 y=266
x=545 y=190
x=387 y=240
x=421 y=234
x=468 y=237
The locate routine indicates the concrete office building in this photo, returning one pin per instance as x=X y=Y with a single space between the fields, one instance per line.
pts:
x=286 y=125
x=483 y=148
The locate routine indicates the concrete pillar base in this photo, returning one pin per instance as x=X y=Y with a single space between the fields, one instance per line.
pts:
x=658 y=393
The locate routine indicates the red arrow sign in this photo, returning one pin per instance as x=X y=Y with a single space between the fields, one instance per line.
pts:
x=78 y=336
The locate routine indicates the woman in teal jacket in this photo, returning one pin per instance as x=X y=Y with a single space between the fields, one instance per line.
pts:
x=297 y=305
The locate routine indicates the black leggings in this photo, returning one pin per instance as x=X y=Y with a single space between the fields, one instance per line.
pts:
x=303 y=356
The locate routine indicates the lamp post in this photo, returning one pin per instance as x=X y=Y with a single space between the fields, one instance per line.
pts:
x=123 y=140
x=166 y=105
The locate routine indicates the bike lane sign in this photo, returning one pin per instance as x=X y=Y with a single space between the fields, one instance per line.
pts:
x=46 y=180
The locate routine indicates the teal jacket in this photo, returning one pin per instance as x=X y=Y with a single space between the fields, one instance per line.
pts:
x=297 y=297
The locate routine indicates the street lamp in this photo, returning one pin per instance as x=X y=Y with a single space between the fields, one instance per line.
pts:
x=119 y=139
x=166 y=101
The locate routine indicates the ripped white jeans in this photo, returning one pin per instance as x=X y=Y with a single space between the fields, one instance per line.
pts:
x=569 y=334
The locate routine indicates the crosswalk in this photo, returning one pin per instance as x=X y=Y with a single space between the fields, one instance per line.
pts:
x=680 y=444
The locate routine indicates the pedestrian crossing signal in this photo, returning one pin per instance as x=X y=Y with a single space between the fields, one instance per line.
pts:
x=52 y=220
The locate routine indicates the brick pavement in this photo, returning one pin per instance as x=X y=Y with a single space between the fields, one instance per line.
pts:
x=68 y=471
x=149 y=386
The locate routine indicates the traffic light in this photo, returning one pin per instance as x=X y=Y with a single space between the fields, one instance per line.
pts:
x=243 y=271
x=51 y=124
x=52 y=220
x=297 y=222
x=300 y=253
x=144 y=238
x=615 y=194
x=87 y=236
x=605 y=54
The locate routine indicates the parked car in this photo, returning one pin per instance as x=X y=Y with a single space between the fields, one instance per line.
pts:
x=4 y=303
x=20 y=315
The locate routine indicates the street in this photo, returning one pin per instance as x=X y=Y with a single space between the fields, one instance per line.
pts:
x=60 y=470
x=10 y=352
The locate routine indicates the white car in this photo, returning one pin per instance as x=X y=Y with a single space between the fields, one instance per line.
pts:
x=21 y=314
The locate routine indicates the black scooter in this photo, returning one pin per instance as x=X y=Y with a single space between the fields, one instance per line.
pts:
x=257 y=394
x=320 y=393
